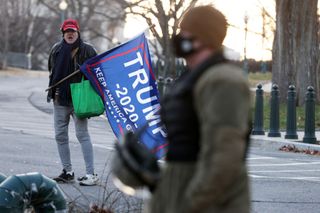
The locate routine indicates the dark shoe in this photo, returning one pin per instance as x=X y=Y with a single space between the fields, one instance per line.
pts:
x=65 y=177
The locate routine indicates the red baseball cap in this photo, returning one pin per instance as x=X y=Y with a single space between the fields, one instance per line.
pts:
x=70 y=24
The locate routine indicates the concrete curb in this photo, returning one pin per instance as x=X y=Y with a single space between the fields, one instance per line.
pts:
x=38 y=101
x=274 y=144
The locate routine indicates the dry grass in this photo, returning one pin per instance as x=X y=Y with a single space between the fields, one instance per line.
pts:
x=109 y=198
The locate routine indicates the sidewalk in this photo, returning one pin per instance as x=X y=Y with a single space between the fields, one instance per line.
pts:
x=274 y=143
x=265 y=87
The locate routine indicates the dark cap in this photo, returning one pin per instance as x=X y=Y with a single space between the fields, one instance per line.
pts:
x=206 y=24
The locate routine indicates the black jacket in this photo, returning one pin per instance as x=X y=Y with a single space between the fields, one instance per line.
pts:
x=84 y=52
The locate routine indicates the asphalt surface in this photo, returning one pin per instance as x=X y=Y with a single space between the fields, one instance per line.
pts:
x=283 y=182
x=28 y=145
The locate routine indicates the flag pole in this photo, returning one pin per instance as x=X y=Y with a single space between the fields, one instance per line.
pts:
x=151 y=27
x=62 y=80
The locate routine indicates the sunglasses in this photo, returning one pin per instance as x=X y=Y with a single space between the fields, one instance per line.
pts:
x=69 y=31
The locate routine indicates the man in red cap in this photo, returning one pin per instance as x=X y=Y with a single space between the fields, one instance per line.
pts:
x=207 y=117
x=65 y=58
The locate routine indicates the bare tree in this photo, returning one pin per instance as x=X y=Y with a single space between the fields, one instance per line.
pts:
x=32 y=26
x=163 y=18
x=295 y=47
x=98 y=19
x=14 y=26
x=4 y=40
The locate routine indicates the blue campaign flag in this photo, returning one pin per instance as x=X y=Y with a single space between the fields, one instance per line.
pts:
x=123 y=77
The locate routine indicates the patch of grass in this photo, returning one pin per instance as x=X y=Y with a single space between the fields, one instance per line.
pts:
x=258 y=77
x=300 y=115
x=110 y=200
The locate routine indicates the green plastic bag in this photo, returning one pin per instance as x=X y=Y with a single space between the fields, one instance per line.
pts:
x=86 y=101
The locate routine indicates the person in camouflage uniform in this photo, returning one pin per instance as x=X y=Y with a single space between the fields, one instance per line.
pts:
x=207 y=116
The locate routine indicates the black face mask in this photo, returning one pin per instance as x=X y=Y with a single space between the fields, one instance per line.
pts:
x=182 y=46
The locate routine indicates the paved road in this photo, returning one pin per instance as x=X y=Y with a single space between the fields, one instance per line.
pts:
x=284 y=182
x=27 y=140
x=280 y=182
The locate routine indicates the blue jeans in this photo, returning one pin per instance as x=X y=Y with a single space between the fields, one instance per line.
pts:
x=61 y=122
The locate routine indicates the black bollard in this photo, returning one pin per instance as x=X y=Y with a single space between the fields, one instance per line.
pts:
x=309 y=126
x=274 y=112
x=291 y=132
x=258 y=112
x=160 y=83
x=167 y=84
